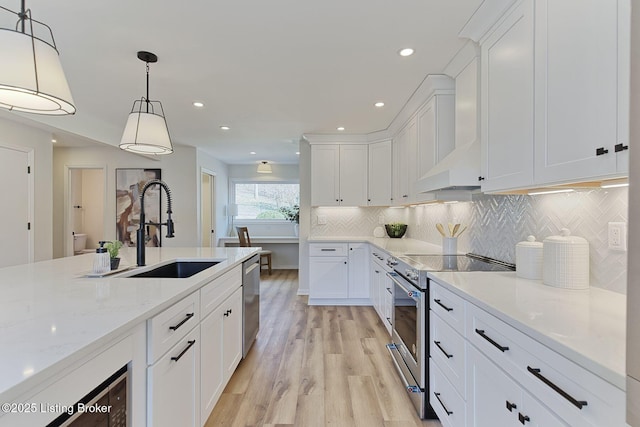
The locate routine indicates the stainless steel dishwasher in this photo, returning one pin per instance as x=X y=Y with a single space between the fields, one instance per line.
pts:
x=251 y=302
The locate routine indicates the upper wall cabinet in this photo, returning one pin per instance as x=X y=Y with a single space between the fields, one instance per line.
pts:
x=405 y=163
x=339 y=174
x=507 y=102
x=582 y=88
x=554 y=92
x=380 y=182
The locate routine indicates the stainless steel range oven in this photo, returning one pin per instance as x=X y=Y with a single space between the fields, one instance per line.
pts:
x=410 y=337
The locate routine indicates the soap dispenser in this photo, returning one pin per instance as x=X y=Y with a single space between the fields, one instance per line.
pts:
x=101 y=261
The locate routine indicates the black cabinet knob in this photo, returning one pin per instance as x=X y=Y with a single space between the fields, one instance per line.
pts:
x=481 y=178
x=600 y=151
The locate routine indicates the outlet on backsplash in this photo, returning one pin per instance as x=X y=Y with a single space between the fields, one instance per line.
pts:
x=322 y=220
x=617 y=232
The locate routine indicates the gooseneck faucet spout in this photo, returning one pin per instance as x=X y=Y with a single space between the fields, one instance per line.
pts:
x=140 y=235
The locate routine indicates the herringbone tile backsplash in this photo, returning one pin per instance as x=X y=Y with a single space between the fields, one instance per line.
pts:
x=497 y=223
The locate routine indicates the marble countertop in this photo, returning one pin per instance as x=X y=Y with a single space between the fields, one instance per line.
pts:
x=51 y=313
x=586 y=326
x=395 y=247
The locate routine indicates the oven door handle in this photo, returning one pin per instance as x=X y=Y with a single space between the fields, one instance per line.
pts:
x=413 y=294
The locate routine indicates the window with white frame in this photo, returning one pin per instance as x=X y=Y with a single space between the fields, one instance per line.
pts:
x=264 y=201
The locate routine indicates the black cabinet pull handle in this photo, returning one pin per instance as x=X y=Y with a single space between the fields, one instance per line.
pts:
x=481 y=178
x=620 y=147
x=227 y=313
x=389 y=290
x=187 y=317
x=437 y=343
x=600 y=151
x=523 y=418
x=495 y=344
x=442 y=404
x=176 y=358
x=437 y=301
x=577 y=403
x=327 y=250
x=511 y=406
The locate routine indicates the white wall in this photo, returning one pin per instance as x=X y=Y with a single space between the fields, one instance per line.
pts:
x=16 y=134
x=179 y=171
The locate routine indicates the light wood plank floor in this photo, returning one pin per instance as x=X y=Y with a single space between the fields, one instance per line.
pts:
x=314 y=366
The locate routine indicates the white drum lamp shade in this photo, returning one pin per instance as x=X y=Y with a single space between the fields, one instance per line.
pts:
x=146 y=133
x=31 y=76
x=264 y=167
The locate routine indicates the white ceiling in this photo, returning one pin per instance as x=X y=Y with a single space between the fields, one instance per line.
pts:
x=272 y=70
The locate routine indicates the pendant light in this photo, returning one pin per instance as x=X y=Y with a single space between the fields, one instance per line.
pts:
x=31 y=75
x=146 y=130
x=264 y=167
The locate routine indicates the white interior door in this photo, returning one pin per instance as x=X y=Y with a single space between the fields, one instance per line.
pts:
x=16 y=213
x=208 y=209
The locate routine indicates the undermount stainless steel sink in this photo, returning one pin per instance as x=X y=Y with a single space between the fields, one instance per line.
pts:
x=177 y=269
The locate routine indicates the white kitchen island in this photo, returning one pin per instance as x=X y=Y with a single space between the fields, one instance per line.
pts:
x=61 y=333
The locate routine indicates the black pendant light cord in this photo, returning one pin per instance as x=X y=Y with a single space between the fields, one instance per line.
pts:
x=147 y=87
x=23 y=15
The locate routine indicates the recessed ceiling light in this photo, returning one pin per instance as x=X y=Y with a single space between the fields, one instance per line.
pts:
x=225 y=127
x=379 y=104
x=253 y=152
x=54 y=140
x=341 y=128
x=298 y=153
x=198 y=104
x=406 y=52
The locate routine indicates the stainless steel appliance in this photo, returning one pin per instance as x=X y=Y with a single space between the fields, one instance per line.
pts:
x=109 y=399
x=410 y=338
x=251 y=302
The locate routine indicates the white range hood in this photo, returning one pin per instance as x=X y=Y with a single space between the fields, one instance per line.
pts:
x=456 y=175
x=458 y=171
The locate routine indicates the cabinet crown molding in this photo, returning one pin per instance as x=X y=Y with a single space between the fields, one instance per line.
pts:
x=432 y=85
x=484 y=18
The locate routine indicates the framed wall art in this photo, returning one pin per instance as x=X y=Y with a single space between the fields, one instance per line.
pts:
x=129 y=184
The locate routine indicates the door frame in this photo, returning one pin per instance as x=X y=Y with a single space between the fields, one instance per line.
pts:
x=68 y=227
x=30 y=197
x=213 y=175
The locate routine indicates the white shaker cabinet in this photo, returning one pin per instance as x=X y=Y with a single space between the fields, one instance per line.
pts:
x=339 y=273
x=358 y=270
x=174 y=385
x=582 y=88
x=339 y=174
x=405 y=163
x=497 y=400
x=380 y=170
x=381 y=288
x=221 y=350
x=436 y=131
x=507 y=85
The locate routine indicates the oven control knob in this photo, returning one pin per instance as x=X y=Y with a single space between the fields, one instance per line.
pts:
x=392 y=261
x=411 y=274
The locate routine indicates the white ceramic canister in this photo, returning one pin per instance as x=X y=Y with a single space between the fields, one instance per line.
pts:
x=566 y=261
x=529 y=259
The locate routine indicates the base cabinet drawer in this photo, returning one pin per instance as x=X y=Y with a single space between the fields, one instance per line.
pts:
x=173 y=385
x=448 y=350
x=445 y=401
x=170 y=326
x=497 y=400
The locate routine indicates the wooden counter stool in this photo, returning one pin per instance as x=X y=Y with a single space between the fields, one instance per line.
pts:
x=245 y=242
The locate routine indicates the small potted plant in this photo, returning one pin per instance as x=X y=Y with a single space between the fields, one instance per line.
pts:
x=292 y=213
x=114 y=248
